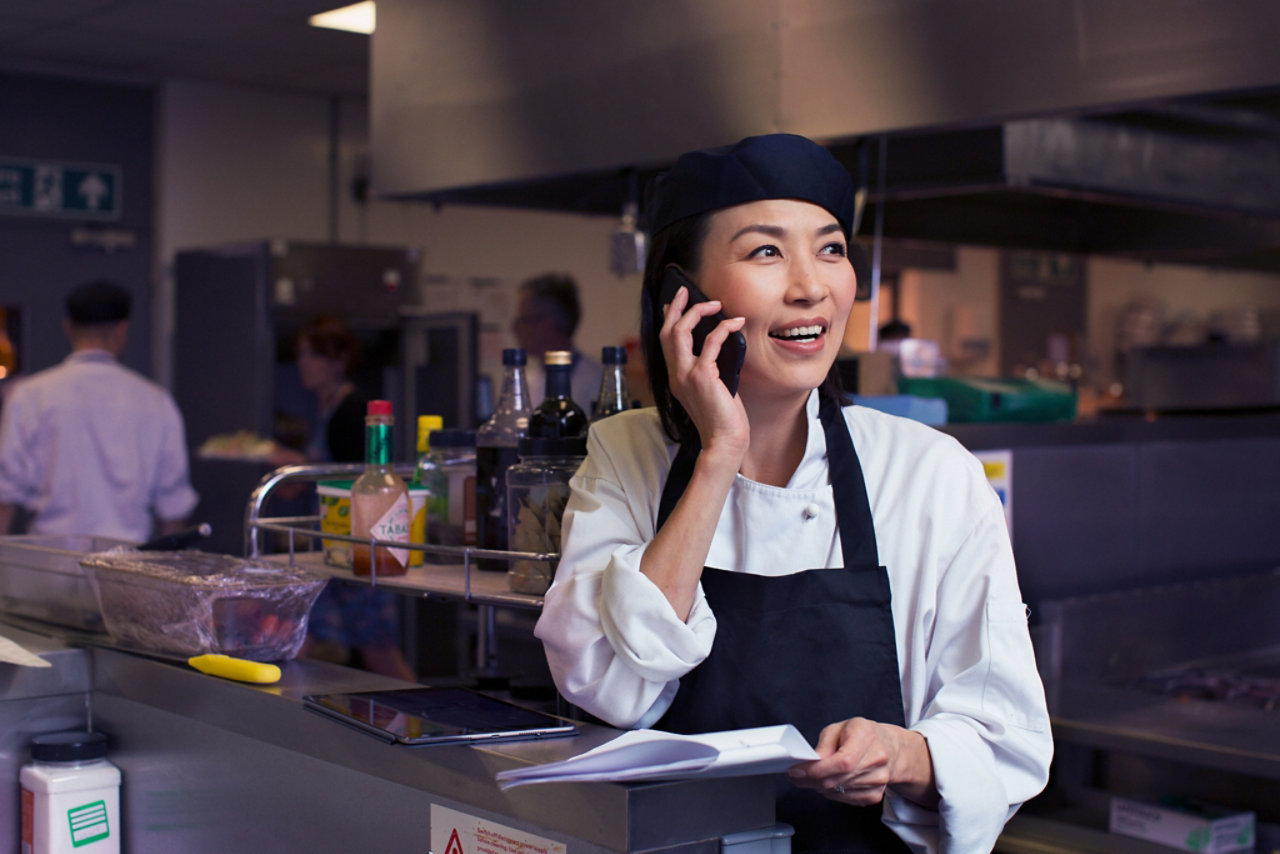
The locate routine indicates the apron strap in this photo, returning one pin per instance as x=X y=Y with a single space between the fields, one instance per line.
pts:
x=857 y=532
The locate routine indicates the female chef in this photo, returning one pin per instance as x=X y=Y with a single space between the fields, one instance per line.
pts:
x=772 y=556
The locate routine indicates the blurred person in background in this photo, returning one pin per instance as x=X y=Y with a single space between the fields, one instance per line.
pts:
x=351 y=623
x=88 y=446
x=547 y=315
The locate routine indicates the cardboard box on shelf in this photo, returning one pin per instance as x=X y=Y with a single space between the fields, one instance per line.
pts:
x=1184 y=825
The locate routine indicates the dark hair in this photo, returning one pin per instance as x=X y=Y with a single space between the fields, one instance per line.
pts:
x=560 y=291
x=98 y=302
x=329 y=337
x=681 y=244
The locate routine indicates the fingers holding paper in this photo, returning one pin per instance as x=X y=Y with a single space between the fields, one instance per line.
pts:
x=860 y=759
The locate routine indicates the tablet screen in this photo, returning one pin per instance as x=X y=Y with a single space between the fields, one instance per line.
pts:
x=433 y=715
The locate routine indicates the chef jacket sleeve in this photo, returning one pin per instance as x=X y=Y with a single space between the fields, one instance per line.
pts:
x=615 y=646
x=986 y=720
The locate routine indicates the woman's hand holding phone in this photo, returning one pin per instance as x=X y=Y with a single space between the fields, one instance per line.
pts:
x=675 y=557
x=695 y=369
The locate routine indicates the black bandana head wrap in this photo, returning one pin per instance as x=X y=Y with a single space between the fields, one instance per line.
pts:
x=774 y=166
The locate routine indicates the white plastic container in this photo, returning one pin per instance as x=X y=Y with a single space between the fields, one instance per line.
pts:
x=70 y=796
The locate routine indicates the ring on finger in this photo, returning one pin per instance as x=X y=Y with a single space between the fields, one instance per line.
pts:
x=839 y=789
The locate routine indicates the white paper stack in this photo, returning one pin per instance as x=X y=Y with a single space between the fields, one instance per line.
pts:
x=648 y=754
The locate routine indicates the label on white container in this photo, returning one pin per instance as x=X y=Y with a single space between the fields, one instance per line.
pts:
x=70 y=811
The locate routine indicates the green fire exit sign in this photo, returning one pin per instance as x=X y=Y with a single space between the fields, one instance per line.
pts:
x=46 y=188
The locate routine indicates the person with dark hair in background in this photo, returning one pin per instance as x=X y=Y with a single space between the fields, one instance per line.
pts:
x=348 y=617
x=547 y=315
x=89 y=446
x=776 y=556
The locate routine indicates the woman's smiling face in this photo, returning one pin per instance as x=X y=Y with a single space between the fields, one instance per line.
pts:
x=784 y=266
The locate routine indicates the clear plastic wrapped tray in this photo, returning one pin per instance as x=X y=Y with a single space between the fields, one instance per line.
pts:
x=192 y=602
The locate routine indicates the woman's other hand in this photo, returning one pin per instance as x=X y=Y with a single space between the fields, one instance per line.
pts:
x=695 y=380
x=859 y=759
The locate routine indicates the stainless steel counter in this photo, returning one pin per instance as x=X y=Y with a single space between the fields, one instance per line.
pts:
x=35 y=700
x=216 y=766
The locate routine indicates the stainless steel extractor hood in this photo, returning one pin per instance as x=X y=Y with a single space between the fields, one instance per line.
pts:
x=1065 y=125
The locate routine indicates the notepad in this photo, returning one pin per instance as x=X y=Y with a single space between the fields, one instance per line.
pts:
x=655 y=755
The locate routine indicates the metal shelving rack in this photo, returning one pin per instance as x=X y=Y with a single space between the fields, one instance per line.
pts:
x=458 y=580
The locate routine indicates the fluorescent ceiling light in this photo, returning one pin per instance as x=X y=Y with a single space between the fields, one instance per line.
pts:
x=356 y=18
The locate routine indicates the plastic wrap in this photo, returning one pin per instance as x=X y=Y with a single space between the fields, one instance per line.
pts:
x=192 y=602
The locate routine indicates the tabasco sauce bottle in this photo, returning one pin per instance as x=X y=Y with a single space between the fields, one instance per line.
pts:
x=379 y=500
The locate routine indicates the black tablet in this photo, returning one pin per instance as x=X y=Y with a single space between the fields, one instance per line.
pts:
x=437 y=716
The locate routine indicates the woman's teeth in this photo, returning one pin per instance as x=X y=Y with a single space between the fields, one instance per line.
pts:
x=797 y=333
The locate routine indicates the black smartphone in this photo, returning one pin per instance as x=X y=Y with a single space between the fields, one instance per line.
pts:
x=734 y=348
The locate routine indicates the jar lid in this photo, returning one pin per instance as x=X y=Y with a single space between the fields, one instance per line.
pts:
x=513 y=356
x=613 y=355
x=453 y=438
x=68 y=746
x=379 y=407
x=560 y=446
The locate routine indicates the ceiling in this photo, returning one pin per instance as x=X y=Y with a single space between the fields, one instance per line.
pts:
x=265 y=44
x=1163 y=211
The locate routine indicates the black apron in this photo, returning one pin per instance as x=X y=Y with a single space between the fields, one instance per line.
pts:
x=807 y=649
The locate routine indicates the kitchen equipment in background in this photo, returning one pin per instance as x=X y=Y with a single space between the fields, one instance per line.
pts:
x=185 y=538
x=1211 y=376
x=1126 y=675
x=915 y=357
x=237 y=310
x=41 y=579
x=996 y=399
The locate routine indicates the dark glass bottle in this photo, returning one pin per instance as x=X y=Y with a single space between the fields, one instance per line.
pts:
x=558 y=417
x=497 y=443
x=614 y=396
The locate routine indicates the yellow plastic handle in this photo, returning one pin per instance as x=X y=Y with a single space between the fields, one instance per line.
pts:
x=239 y=669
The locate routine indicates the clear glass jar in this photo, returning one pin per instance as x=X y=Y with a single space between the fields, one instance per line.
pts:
x=537 y=491
x=451 y=520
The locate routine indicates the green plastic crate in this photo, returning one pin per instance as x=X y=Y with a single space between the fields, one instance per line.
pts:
x=989 y=399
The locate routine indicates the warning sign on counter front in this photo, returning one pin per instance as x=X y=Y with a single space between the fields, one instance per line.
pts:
x=454 y=832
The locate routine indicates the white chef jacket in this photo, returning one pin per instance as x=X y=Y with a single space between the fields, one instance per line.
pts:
x=617 y=649
x=94 y=448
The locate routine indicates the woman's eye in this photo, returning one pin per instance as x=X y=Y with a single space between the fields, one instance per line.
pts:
x=834 y=249
x=766 y=251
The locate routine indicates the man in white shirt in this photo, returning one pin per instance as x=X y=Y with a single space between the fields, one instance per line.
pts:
x=89 y=446
x=547 y=314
